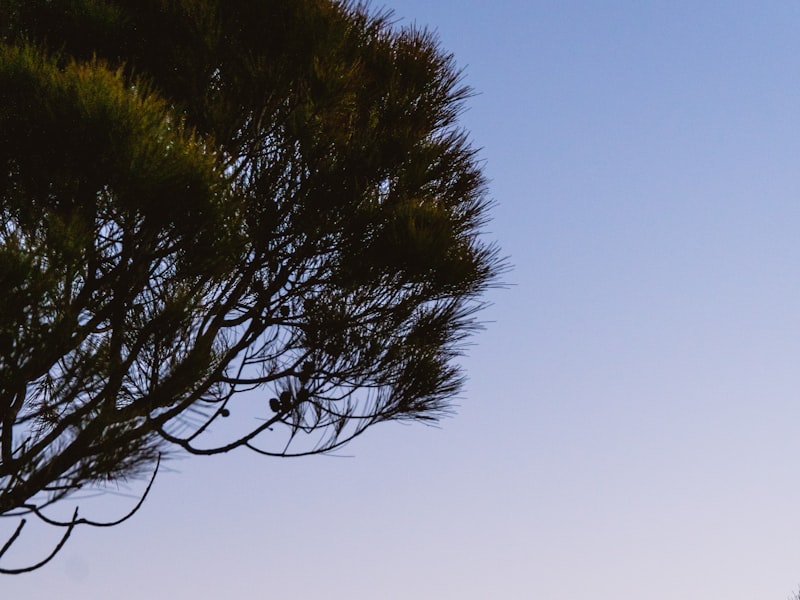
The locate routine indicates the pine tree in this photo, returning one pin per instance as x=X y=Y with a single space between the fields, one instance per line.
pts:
x=215 y=210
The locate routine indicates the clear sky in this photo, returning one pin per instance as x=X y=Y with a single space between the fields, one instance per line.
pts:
x=631 y=426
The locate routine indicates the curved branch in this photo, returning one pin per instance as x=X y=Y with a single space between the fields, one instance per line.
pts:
x=37 y=511
x=41 y=563
x=13 y=538
x=70 y=525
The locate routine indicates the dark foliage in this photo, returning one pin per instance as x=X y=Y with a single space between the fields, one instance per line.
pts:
x=200 y=198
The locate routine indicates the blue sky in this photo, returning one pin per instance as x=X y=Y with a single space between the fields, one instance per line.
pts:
x=630 y=428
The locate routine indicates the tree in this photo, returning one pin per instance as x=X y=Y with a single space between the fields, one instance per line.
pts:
x=224 y=224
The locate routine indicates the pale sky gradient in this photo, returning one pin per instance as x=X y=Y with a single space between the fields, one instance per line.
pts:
x=631 y=426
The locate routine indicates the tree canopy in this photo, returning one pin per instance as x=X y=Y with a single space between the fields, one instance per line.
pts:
x=223 y=224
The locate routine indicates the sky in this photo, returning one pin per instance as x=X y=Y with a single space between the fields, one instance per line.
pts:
x=631 y=424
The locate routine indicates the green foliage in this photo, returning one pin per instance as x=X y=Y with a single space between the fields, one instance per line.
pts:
x=201 y=198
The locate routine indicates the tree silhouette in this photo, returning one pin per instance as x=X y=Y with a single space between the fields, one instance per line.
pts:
x=223 y=223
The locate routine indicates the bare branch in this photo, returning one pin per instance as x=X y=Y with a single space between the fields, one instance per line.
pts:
x=56 y=550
